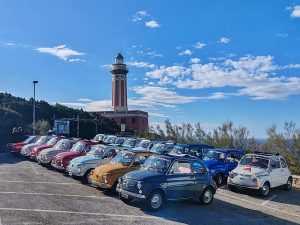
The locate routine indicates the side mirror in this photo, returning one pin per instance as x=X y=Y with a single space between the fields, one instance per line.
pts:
x=222 y=156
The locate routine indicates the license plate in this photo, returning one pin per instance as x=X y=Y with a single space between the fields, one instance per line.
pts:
x=124 y=195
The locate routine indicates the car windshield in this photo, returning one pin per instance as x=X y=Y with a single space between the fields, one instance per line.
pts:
x=119 y=141
x=42 y=140
x=29 y=139
x=211 y=155
x=255 y=160
x=123 y=158
x=180 y=149
x=110 y=139
x=160 y=148
x=96 y=150
x=157 y=163
x=52 y=141
x=78 y=147
x=130 y=142
x=62 y=144
x=97 y=137
x=143 y=144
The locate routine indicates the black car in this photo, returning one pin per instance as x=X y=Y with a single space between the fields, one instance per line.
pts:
x=168 y=177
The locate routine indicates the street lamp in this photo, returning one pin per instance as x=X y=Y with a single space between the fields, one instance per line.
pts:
x=33 y=116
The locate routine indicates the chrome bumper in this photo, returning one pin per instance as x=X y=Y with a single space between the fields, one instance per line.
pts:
x=99 y=184
x=57 y=166
x=243 y=186
x=131 y=194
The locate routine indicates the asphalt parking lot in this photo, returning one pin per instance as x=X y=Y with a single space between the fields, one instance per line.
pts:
x=32 y=194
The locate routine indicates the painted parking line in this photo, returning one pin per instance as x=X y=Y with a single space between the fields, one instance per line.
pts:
x=269 y=199
x=37 y=182
x=47 y=194
x=34 y=169
x=84 y=213
x=22 y=172
x=258 y=204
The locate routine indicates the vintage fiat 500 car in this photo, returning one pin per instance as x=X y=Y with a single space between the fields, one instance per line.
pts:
x=109 y=139
x=98 y=137
x=130 y=142
x=25 y=151
x=106 y=176
x=197 y=150
x=61 y=160
x=16 y=147
x=81 y=167
x=261 y=172
x=45 y=156
x=36 y=150
x=164 y=177
x=221 y=161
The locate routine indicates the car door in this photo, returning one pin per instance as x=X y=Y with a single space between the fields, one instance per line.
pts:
x=180 y=180
x=275 y=172
x=199 y=171
x=285 y=171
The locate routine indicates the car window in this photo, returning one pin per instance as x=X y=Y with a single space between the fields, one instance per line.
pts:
x=139 y=159
x=110 y=153
x=197 y=167
x=233 y=157
x=283 y=163
x=181 y=168
x=196 y=152
x=275 y=163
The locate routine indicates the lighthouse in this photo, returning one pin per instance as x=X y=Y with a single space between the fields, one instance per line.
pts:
x=128 y=120
x=119 y=84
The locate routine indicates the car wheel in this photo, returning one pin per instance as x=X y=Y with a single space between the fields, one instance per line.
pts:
x=218 y=178
x=288 y=184
x=265 y=190
x=113 y=188
x=155 y=201
x=86 y=176
x=207 y=196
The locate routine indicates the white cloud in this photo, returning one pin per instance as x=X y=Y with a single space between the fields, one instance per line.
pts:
x=282 y=35
x=224 y=40
x=141 y=64
x=61 y=51
x=138 y=16
x=85 y=100
x=200 y=45
x=296 y=12
x=217 y=96
x=195 y=60
x=154 y=54
x=76 y=105
x=10 y=43
x=254 y=76
x=152 y=24
x=77 y=60
x=185 y=52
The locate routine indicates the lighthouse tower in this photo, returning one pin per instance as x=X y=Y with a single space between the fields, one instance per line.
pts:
x=119 y=85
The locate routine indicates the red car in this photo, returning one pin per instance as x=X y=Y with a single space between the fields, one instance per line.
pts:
x=61 y=160
x=16 y=147
x=35 y=151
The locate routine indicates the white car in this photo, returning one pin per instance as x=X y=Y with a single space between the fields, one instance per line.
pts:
x=40 y=141
x=260 y=171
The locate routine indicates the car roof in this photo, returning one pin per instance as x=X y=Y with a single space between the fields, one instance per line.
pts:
x=267 y=155
x=227 y=150
x=136 y=150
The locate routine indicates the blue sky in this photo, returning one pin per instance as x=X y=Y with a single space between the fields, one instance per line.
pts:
x=189 y=61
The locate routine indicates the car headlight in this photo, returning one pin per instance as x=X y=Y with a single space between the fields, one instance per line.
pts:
x=78 y=169
x=253 y=178
x=105 y=178
x=139 y=185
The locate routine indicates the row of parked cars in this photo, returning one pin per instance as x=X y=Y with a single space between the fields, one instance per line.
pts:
x=154 y=170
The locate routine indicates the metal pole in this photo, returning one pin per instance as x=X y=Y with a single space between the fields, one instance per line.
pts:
x=96 y=127
x=33 y=116
x=77 y=126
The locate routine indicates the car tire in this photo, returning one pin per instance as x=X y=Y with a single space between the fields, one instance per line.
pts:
x=289 y=184
x=207 y=196
x=218 y=178
x=113 y=188
x=86 y=176
x=265 y=189
x=155 y=201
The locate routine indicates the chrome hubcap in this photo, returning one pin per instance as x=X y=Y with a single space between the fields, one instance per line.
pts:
x=207 y=196
x=156 y=201
x=265 y=189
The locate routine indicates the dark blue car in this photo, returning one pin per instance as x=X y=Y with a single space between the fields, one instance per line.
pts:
x=197 y=150
x=167 y=177
x=221 y=161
